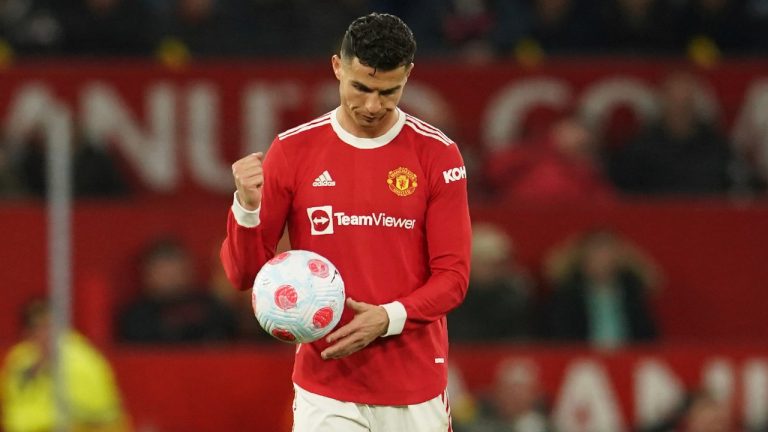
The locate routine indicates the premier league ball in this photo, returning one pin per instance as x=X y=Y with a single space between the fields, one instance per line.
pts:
x=298 y=296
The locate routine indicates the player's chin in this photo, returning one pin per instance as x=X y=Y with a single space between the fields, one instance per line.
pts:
x=370 y=122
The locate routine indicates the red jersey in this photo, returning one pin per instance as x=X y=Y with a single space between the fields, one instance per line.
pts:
x=391 y=213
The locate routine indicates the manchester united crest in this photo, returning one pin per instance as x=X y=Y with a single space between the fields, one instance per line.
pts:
x=402 y=181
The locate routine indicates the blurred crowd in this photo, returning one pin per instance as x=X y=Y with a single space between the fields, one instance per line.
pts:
x=516 y=401
x=475 y=29
x=595 y=288
x=682 y=152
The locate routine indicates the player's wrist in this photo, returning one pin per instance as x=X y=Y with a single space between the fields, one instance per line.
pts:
x=385 y=321
x=247 y=204
x=244 y=217
x=396 y=316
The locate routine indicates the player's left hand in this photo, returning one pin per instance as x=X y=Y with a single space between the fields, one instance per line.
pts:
x=370 y=322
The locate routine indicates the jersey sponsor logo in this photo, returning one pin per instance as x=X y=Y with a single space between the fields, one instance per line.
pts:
x=320 y=220
x=323 y=220
x=373 y=219
x=324 y=179
x=455 y=174
x=402 y=181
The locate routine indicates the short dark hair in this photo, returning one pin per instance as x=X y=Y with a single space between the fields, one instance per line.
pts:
x=379 y=40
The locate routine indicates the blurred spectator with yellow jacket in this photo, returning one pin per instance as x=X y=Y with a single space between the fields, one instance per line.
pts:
x=92 y=398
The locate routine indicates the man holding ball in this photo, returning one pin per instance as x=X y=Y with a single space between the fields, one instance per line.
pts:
x=383 y=195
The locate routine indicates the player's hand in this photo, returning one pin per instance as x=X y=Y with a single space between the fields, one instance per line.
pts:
x=369 y=323
x=249 y=179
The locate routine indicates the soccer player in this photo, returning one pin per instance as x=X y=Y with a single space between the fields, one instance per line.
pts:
x=383 y=195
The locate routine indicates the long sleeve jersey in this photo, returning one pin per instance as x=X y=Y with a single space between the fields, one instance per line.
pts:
x=391 y=213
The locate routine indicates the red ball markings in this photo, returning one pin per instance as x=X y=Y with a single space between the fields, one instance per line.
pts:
x=322 y=317
x=286 y=297
x=318 y=268
x=283 y=334
x=279 y=258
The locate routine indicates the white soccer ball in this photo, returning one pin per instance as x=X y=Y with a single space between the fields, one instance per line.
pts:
x=298 y=296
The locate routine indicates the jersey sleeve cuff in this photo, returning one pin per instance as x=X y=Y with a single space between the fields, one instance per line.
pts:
x=245 y=218
x=397 y=316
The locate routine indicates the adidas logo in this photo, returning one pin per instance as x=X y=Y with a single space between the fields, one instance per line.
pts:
x=324 y=180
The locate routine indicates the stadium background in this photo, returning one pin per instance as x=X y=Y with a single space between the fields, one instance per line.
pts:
x=174 y=101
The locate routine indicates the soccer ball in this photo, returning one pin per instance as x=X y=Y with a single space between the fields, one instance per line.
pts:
x=298 y=296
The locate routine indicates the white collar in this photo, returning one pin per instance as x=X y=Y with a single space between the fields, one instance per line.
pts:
x=367 y=143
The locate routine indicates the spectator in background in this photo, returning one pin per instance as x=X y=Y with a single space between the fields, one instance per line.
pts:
x=564 y=26
x=632 y=27
x=26 y=381
x=171 y=307
x=96 y=174
x=321 y=22
x=757 y=13
x=707 y=413
x=512 y=25
x=31 y=27
x=426 y=18
x=499 y=302
x=601 y=287
x=203 y=27
x=561 y=165
x=116 y=28
x=516 y=403
x=467 y=28
x=680 y=154
x=701 y=411
x=723 y=23
x=240 y=302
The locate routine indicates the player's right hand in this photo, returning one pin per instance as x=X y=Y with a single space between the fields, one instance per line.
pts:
x=249 y=180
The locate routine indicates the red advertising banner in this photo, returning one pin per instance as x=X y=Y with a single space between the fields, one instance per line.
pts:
x=584 y=390
x=179 y=129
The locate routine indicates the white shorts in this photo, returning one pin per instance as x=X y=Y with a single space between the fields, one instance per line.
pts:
x=315 y=413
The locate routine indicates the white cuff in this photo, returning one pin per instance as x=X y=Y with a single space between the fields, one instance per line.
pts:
x=397 y=316
x=245 y=218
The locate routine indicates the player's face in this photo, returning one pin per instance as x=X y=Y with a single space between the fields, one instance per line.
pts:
x=368 y=96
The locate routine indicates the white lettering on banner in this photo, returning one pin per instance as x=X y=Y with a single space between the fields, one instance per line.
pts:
x=658 y=392
x=29 y=108
x=151 y=150
x=600 y=99
x=588 y=398
x=587 y=401
x=504 y=113
x=455 y=174
x=755 y=399
x=172 y=127
x=717 y=377
x=263 y=103
x=202 y=106
x=750 y=130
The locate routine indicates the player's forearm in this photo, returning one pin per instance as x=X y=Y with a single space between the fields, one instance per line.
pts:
x=443 y=292
x=242 y=254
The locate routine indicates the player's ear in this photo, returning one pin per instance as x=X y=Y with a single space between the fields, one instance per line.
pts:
x=408 y=70
x=336 y=63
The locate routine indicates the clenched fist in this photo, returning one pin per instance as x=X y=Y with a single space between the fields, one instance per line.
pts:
x=249 y=179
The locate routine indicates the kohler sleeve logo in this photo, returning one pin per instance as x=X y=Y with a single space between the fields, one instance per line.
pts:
x=455 y=174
